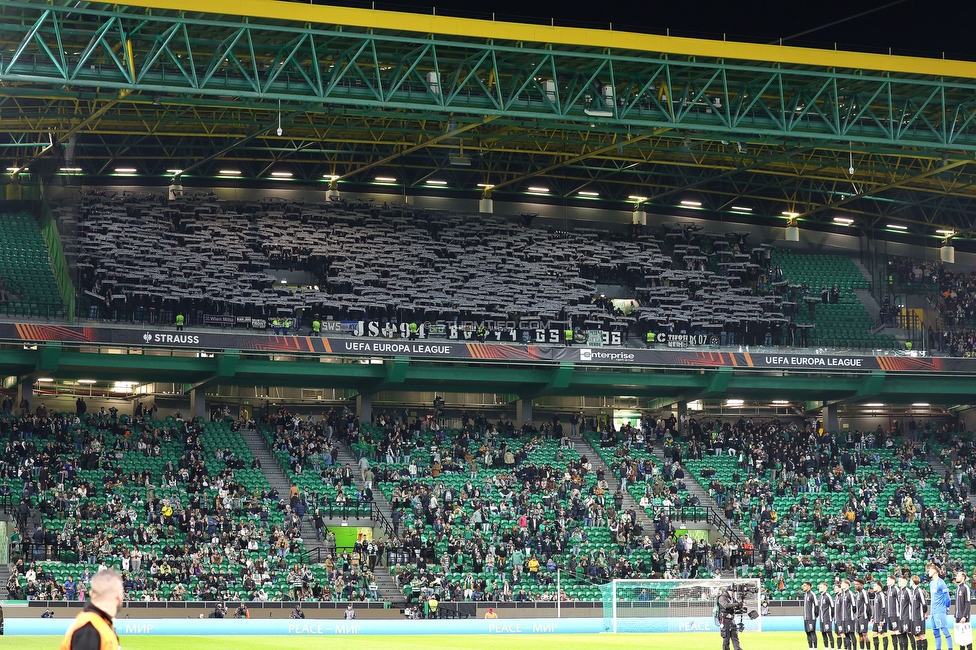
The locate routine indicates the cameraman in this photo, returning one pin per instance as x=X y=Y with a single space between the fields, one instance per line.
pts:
x=242 y=612
x=728 y=607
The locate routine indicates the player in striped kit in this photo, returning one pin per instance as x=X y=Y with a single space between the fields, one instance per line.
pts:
x=879 y=610
x=826 y=616
x=862 y=614
x=963 y=598
x=893 y=610
x=844 y=615
x=811 y=609
x=918 y=609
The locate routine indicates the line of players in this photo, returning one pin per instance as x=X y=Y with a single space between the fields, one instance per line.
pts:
x=849 y=619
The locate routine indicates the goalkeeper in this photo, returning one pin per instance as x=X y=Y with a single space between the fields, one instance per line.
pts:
x=939 y=605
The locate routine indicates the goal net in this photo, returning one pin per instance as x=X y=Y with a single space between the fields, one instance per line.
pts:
x=675 y=605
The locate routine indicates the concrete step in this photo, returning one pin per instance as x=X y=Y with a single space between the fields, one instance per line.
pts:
x=584 y=448
x=379 y=499
x=940 y=469
x=697 y=489
x=4 y=576
x=272 y=471
x=385 y=584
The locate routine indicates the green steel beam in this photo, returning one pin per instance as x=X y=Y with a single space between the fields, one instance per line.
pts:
x=873 y=384
x=661 y=386
x=49 y=356
x=718 y=383
x=226 y=369
x=123 y=48
x=559 y=380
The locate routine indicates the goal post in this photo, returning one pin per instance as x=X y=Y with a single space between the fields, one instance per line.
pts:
x=675 y=605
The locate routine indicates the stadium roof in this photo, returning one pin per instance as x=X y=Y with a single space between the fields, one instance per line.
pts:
x=460 y=106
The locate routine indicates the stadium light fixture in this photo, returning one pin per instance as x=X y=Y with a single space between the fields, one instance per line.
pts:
x=844 y=220
x=895 y=226
x=741 y=208
x=539 y=190
x=282 y=174
x=174 y=171
x=946 y=232
x=587 y=193
x=435 y=182
x=486 y=186
x=791 y=215
x=125 y=170
x=781 y=402
x=636 y=197
x=874 y=405
x=86 y=381
x=44 y=380
x=71 y=169
x=691 y=204
x=385 y=179
x=230 y=172
x=921 y=404
x=331 y=177
x=18 y=169
x=734 y=402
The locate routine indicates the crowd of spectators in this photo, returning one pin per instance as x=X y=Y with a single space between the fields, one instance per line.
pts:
x=815 y=498
x=486 y=511
x=504 y=528
x=187 y=529
x=954 y=296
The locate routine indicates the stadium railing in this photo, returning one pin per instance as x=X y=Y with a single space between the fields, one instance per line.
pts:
x=32 y=552
x=717 y=519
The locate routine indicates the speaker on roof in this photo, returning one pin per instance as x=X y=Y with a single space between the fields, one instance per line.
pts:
x=948 y=254
x=792 y=233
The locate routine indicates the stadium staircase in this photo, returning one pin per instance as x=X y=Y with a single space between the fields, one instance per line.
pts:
x=385 y=584
x=279 y=481
x=4 y=576
x=940 y=469
x=584 y=447
x=695 y=488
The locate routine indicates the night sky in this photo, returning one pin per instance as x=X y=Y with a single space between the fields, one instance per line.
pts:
x=913 y=27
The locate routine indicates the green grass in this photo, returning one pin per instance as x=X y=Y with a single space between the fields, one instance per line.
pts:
x=750 y=641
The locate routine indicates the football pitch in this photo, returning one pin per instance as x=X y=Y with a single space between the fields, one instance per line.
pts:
x=698 y=641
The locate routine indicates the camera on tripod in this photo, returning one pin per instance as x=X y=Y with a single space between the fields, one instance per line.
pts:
x=740 y=591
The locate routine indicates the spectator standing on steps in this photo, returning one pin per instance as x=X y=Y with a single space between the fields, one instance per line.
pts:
x=363 y=466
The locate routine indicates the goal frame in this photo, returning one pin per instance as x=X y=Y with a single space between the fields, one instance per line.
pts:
x=754 y=583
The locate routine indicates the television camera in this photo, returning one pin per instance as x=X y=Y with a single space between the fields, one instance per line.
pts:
x=737 y=606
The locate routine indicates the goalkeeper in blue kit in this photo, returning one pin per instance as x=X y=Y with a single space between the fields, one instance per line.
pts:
x=939 y=606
